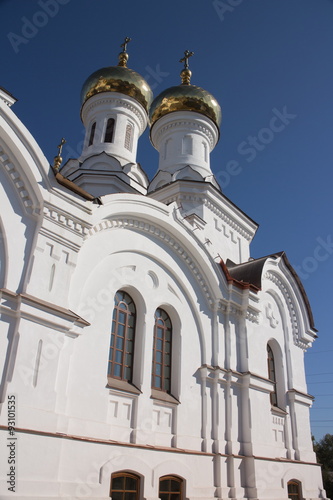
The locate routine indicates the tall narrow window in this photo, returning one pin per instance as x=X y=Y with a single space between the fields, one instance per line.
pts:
x=272 y=374
x=109 y=130
x=128 y=136
x=122 y=337
x=92 y=134
x=171 y=488
x=161 y=370
x=124 y=486
x=294 y=490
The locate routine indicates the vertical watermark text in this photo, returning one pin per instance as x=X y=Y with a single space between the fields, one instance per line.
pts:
x=11 y=443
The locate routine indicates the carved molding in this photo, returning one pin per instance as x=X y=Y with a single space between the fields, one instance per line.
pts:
x=292 y=313
x=73 y=224
x=228 y=220
x=202 y=199
x=29 y=201
x=188 y=123
x=251 y=314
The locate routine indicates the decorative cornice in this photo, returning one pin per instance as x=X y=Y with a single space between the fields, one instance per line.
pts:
x=59 y=216
x=7 y=97
x=40 y=311
x=274 y=278
x=227 y=307
x=213 y=207
x=203 y=199
x=250 y=314
x=227 y=219
x=190 y=124
x=23 y=190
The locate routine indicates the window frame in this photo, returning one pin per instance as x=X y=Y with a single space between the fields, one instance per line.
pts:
x=298 y=495
x=92 y=134
x=109 y=130
x=170 y=493
x=116 y=325
x=166 y=382
x=125 y=474
x=272 y=375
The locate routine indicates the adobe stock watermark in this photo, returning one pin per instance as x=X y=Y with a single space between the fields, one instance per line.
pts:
x=30 y=27
x=223 y=7
x=321 y=253
x=104 y=298
x=256 y=144
x=155 y=76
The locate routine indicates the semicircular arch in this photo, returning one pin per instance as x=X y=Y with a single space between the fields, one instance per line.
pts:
x=289 y=299
x=160 y=224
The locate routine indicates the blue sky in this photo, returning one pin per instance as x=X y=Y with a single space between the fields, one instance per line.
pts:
x=260 y=59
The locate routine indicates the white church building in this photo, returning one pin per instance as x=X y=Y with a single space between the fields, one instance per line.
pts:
x=143 y=353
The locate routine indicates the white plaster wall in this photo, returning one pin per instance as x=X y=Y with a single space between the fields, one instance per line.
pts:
x=153 y=280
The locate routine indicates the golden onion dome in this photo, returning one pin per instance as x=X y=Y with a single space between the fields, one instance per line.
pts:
x=118 y=79
x=185 y=97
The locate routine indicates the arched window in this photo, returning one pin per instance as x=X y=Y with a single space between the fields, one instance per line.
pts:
x=109 y=130
x=294 y=490
x=171 y=488
x=124 y=486
x=92 y=134
x=122 y=337
x=272 y=374
x=128 y=136
x=161 y=369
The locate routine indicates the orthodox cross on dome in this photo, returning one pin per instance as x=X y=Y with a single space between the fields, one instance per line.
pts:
x=124 y=45
x=186 y=73
x=61 y=145
x=58 y=159
x=123 y=56
x=187 y=55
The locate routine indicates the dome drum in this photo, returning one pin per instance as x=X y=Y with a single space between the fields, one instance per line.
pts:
x=184 y=139
x=114 y=103
x=183 y=123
